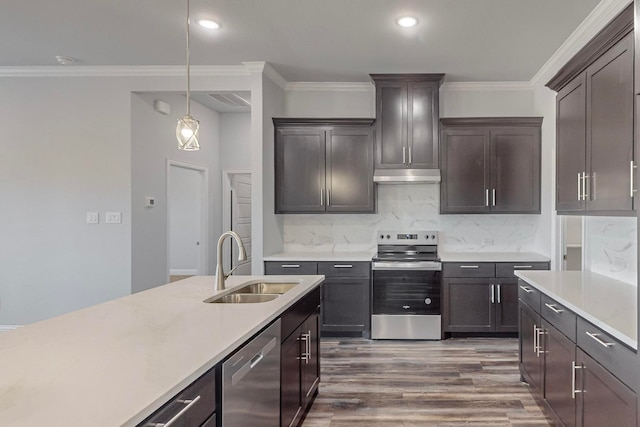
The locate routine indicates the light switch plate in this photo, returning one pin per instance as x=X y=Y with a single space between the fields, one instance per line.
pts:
x=113 y=217
x=93 y=218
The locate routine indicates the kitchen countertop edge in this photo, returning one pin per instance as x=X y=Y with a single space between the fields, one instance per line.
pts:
x=573 y=289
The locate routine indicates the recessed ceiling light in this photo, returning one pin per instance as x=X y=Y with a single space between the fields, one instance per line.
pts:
x=63 y=60
x=406 y=21
x=208 y=24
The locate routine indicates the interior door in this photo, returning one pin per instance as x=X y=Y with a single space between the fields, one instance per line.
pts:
x=185 y=220
x=241 y=220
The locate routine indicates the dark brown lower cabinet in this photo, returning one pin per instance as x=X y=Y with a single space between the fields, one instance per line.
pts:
x=531 y=365
x=345 y=305
x=559 y=359
x=602 y=399
x=480 y=305
x=300 y=359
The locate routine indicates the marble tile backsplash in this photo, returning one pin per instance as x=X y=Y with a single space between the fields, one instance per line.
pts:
x=413 y=206
x=611 y=247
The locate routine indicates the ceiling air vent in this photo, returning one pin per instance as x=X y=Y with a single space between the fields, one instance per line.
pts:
x=231 y=98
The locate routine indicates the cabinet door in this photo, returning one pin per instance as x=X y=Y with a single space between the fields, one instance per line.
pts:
x=604 y=400
x=349 y=173
x=559 y=356
x=345 y=305
x=391 y=124
x=465 y=171
x=311 y=365
x=506 y=301
x=515 y=170
x=290 y=377
x=300 y=170
x=467 y=305
x=422 y=125
x=610 y=124
x=571 y=122
x=531 y=366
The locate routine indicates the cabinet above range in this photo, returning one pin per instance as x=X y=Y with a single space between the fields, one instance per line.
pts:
x=490 y=165
x=407 y=113
x=324 y=166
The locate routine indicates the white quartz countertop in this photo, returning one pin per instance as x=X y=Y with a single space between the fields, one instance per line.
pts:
x=115 y=363
x=492 y=257
x=609 y=304
x=320 y=256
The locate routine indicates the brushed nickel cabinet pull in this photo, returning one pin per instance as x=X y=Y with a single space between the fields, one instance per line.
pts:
x=579 y=192
x=468 y=266
x=522 y=266
x=493 y=294
x=290 y=266
x=499 y=296
x=574 y=367
x=175 y=418
x=494 y=197
x=486 y=197
x=404 y=155
x=599 y=341
x=410 y=155
x=553 y=308
x=527 y=290
x=342 y=266
x=631 y=189
x=328 y=197
x=322 y=197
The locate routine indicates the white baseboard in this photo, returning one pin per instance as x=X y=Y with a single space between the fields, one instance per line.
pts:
x=178 y=272
x=7 y=328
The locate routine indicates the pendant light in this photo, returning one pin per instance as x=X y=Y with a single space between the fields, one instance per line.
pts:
x=187 y=129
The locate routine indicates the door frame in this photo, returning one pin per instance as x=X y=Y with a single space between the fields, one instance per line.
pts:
x=226 y=205
x=561 y=227
x=203 y=252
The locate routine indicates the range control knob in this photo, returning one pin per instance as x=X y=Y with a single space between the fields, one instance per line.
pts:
x=388 y=237
x=426 y=237
x=382 y=236
x=433 y=236
x=427 y=301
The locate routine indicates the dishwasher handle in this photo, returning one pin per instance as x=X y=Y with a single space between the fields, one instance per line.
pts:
x=243 y=370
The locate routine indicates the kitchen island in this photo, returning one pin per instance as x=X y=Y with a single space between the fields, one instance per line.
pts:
x=115 y=363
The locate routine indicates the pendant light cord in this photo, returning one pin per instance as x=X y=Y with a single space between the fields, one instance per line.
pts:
x=188 y=66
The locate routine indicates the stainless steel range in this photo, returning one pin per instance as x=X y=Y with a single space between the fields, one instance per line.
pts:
x=407 y=276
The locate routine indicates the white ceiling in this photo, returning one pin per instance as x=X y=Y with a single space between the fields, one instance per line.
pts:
x=305 y=40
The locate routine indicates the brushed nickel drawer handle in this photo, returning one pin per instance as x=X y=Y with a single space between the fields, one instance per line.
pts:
x=527 y=290
x=175 y=418
x=342 y=266
x=574 y=367
x=599 y=341
x=469 y=266
x=522 y=266
x=553 y=308
x=290 y=266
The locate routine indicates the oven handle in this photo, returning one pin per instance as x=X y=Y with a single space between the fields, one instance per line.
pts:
x=414 y=266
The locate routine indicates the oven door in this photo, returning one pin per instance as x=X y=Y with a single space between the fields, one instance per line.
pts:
x=406 y=292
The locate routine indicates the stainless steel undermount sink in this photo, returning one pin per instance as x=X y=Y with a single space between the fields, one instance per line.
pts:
x=237 y=298
x=254 y=292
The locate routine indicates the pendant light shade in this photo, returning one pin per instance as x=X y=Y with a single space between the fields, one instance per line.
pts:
x=187 y=133
x=187 y=129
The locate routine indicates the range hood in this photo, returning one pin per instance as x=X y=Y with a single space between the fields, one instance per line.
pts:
x=406 y=176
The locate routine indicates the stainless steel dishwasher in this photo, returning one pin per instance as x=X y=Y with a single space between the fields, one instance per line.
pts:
x=251 y=382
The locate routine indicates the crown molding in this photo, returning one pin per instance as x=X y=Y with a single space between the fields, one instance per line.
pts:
x=599 y=17
x=330 y=86
x=485 y=86
x=124 y=71
x=262 y=67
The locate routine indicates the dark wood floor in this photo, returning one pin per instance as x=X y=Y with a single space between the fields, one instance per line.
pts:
x=456 y=382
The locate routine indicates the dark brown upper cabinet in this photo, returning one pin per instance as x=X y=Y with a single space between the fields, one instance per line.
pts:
x=595 y=168
x=490 y=165
x=324 y=165
x=407 y=113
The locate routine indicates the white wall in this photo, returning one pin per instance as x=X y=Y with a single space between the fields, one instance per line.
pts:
x=153 y=143
x=235 y=141
x=66 y=150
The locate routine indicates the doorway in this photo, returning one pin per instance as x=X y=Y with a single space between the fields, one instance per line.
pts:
x=186 y=214
x=236 y=216
x=572 y=243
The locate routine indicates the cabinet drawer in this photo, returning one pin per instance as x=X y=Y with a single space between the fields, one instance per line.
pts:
x=559 y=316
x=609 y=352
x=291 y=267
x=469 y=269
x=293 y=317
x=505 y=269
x=200 y=397
x=529 y=295
x=344 y=269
